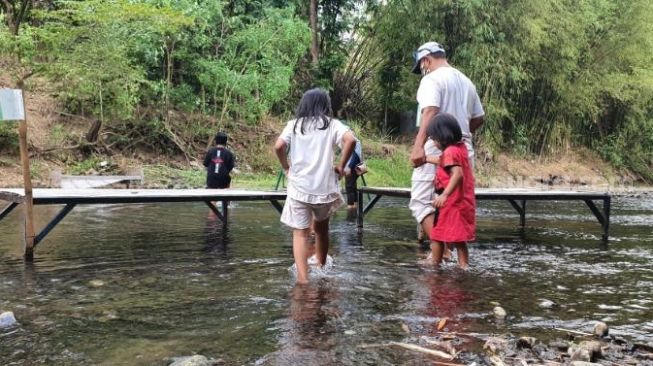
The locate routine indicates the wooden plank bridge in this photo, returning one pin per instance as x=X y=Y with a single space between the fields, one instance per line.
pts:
x=517 y=197
x=72 y=197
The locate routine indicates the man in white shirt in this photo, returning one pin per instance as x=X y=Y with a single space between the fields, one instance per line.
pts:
x=447 y=90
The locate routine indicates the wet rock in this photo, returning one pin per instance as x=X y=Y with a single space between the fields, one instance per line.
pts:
x=592 y=347
x=96 y=283
x=499 y=313
x=560 y=345
x=546 y=304
x=601 y=329
x=7 y=320
x=197 y=360
x=580 y=354
x=526 y=342
x=495 y=346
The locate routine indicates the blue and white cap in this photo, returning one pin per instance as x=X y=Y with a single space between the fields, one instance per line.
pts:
x=423 y=51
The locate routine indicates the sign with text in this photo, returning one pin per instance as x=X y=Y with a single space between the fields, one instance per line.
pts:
x=11 y=105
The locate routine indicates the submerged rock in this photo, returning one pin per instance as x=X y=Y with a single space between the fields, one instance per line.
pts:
x=601 y=329
x=197 y=360
x=499 y=313
x=7 y=320
x=526 y=342
x=546 y=304
x=96 y=283
x=580 y=354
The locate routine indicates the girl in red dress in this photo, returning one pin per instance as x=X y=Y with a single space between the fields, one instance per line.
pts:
x=454 y=184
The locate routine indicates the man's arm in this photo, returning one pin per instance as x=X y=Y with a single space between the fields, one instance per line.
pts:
x=417 y=156
x=280 y=150
x=475 y=123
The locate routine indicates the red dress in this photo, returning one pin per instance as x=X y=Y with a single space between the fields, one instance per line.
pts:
x=456 y=221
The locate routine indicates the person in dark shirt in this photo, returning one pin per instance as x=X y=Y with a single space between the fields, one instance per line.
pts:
x=219 y=162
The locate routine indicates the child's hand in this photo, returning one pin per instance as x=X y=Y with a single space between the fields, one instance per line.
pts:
x=440 y=200
x=340 y=171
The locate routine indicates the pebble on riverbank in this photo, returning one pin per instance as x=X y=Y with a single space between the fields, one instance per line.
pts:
x=7 y=320
x=196 y=360
x=601 y=329
x=499 y=313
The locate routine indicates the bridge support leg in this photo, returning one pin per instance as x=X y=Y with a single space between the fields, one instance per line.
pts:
x=603 y=217
x=46 y=230
x=521 y=209
x=7 y=210
x=217 y=212
x=359 y=217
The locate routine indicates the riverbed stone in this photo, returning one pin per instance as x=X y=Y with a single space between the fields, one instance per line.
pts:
x=526 y=342
x=580 y=354
x=584 y=363
x=196 y=360
x=96 y=283
x=546 y=304
x=499 y=312
x=601 y=329
x=7 y=320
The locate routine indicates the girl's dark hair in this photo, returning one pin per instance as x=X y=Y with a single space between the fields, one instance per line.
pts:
x=221 y=138
x=315 y=104
x=444 y=128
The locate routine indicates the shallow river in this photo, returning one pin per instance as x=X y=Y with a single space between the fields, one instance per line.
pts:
x=138 y=284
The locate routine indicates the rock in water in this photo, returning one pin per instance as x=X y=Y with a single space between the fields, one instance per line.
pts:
x=499 y=313
x=526 y=342
x=580 y=354
x=601 y=329
x=546 y=303
x=197 y=360
x=7 y=319
x=96 y=283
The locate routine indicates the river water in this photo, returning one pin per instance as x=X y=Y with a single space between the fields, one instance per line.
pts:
x=138 y=284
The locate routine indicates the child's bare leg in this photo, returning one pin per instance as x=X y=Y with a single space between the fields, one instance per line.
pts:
x=437 y=250
x=300 y=253
x=463 y=255
x=427 y=225
x=321 y=240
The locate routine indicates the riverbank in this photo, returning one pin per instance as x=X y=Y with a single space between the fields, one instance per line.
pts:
x=57 y=143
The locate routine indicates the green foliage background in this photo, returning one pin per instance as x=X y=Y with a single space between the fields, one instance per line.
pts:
x=166 y=74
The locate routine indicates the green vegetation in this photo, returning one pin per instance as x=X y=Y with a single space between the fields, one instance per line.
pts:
x=162 y=76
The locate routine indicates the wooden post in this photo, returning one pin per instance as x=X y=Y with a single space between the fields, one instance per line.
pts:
x=27 y=182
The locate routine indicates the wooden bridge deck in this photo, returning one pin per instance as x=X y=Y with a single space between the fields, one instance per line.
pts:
x=517 y=197
x=72 y=197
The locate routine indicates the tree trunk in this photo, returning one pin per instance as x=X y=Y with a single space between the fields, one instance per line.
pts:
x=314 y=33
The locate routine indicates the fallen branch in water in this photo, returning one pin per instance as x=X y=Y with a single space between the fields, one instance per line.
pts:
x=417 y=348
x=573 y=331
x=411 y=347
x=459 y=334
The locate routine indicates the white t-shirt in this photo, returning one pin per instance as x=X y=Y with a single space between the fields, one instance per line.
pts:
x=452 y=92
x=312 y=178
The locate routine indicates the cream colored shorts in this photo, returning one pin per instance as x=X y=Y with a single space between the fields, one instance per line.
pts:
x=299 y=215
x=421 y=199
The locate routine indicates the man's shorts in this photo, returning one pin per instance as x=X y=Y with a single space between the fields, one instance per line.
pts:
x=421 y=199
x=299 y=215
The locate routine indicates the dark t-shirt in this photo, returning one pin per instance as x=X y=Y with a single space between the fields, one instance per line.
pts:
x=219 y=162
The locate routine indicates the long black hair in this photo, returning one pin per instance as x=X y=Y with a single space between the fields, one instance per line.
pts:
x=315 y=104
x=445 y=129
